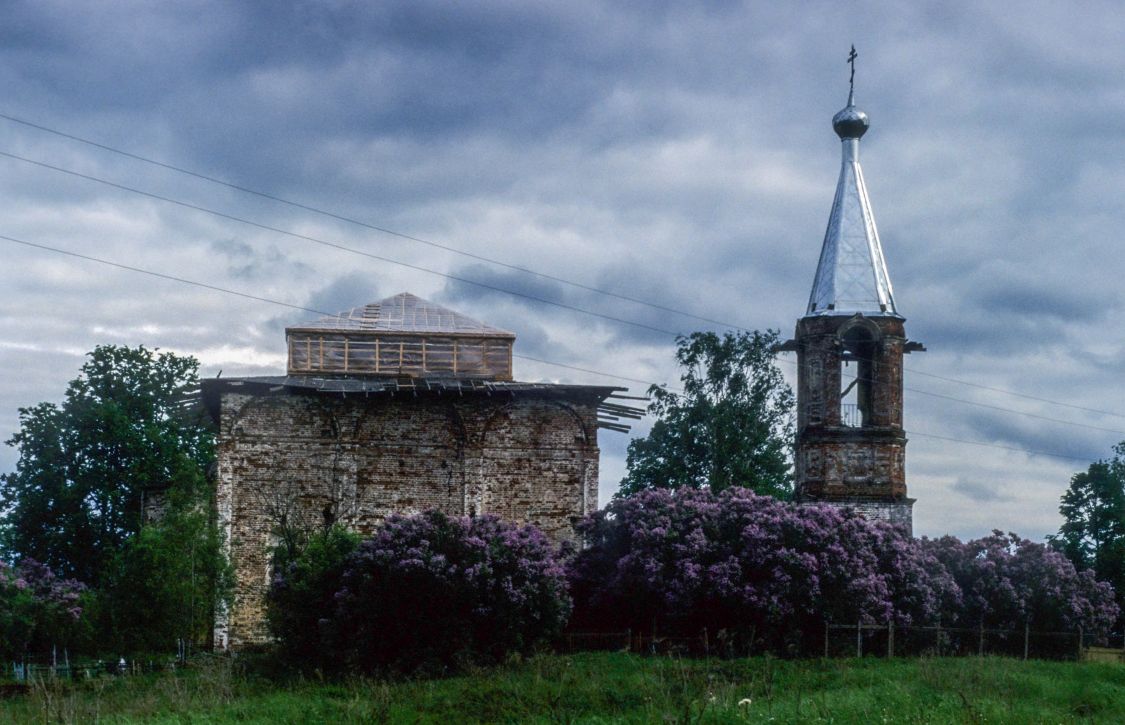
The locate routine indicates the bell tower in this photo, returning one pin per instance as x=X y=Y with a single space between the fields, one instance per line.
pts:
x=851 y=446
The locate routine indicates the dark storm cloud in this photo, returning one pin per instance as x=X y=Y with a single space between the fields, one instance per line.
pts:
x=678 y=153
x=550 y=300
x=981 y=491
x=1040 y=436
x=247 y=262
x=353 y=289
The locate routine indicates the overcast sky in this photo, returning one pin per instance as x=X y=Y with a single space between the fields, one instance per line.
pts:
x=679 y=153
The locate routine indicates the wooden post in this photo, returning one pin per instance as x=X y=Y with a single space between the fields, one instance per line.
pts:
x=890 y=638
x=938 y=639
x=980 y=643
x=629 y=639
x=706 y=644
x=827 y=629
x=1081 y=642
x=1026 y=636
x=858 y=639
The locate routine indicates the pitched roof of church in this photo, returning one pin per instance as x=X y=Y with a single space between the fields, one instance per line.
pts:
x=852 y=274
x=403 y=313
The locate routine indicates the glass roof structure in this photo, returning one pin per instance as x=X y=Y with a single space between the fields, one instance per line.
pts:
x=403 y=313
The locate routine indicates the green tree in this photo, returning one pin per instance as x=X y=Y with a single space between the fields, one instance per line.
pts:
x=731 y=426
x=164 y=584
x=1093 y=531
x=74 y=499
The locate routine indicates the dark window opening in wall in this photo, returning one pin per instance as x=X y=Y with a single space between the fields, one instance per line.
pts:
x=856 y=379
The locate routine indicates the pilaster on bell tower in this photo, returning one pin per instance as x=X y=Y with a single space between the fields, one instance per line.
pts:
x=851 y=446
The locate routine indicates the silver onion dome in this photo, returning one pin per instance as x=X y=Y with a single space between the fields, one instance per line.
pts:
x=850 y=122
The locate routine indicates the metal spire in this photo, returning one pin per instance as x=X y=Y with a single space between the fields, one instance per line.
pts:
x=852 y=274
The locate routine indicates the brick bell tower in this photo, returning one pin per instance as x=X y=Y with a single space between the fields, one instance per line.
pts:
x=851 y=447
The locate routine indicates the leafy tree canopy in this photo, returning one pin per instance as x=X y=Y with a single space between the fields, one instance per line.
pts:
x=75 y=497
x=731 y=426
x=1093 y=531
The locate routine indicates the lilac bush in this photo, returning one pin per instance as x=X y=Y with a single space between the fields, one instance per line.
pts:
x=430 y=591
x=1007 y=581
x=683 y=560
x=37 y=608
x=679 y=561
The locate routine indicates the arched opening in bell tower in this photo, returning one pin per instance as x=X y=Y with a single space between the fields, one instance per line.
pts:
x=857 y=363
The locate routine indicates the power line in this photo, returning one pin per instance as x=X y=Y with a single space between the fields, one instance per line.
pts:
x=484 y=285
x=1019 y=412
x=988 y=406
x=595 y=372
x=448 y=276
x=216 y=288
x=334 y=245
x=360 y=223
x=1015 y=394
x=161 y=275
x=535 y=298
x=245 y=295
x=997 y=445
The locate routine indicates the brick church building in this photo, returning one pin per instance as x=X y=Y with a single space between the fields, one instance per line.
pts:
x=399 y=406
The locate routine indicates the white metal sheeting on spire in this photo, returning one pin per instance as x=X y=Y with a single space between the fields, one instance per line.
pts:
x=852 y=274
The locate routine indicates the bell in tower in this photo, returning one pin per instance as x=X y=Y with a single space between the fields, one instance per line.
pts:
x=851 y=447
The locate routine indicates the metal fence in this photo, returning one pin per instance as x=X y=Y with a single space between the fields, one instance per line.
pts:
x=860 y=640
x=42 y=668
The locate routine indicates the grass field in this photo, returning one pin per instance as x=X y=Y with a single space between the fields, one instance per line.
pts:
x=613 y=687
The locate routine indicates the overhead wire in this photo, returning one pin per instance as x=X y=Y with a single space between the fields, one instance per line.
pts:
x=1000 y=446
x=335 y=245
x=258 y=298
x=366 y=225
x=496 y=288
x=985 y=405
x=245 y=295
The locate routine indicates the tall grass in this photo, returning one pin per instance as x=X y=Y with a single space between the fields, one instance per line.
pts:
x=610 y=687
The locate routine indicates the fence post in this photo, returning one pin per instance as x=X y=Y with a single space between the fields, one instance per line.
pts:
x=859 y=639
x=938 y=638
x=629 y=639
x=980 y=643
x=706 y=644
x=827 y=628
x=1026 y=636
x=890 y=638
x=1081 y=643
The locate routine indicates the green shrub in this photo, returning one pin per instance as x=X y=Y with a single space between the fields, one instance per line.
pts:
x=301 y=599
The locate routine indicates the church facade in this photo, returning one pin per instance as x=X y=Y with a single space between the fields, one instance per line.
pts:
x=851 y=447
x=399 y=406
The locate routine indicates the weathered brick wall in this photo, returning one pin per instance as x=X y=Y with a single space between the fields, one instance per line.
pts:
x=859 y=467
x=896 y=512
x=309 y=459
